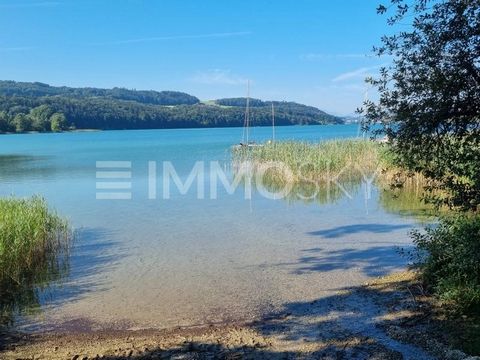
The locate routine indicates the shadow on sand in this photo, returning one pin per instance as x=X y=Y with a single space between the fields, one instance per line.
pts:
x=373 y=261
x=341 y=231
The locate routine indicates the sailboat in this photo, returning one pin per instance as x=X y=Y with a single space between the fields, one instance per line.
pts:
x=246 y=142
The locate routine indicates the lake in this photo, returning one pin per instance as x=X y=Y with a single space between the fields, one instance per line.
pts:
x=149 y=261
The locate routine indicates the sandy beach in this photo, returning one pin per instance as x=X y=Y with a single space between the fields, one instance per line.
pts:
x=379 y=320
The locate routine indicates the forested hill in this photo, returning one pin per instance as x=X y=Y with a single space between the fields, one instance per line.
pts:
x=282 y=107
x=40 y=107
x=37 y=89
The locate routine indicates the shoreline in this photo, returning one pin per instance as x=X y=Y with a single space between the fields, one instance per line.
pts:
x=52 y=132
x=378 y=320
x=171 y=128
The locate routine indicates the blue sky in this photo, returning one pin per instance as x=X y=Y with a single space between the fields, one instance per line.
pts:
x=309 y=51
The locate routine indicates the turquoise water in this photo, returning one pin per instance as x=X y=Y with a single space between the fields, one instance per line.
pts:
x=162 y=262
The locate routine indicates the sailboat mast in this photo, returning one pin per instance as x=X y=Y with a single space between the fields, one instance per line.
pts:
x=247 y=112
x=273 y=123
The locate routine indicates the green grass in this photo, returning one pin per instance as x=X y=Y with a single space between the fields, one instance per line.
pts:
x=34 y=243
x=214 y=103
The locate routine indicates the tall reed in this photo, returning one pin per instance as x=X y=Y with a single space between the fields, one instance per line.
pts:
x=326 y=171
x=34 y=245
x=318 y=161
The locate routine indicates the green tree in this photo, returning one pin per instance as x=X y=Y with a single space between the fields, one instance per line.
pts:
x=58 y=122
x=40 y=117
x=22 y=123
x=429 y=102
x=4 y=122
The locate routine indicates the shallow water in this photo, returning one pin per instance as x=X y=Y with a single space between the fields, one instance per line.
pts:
x=145 y=263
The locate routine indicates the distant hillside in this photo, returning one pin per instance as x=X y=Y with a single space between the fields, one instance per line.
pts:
x=37 y=89
x=40 y=107
x=302 y=112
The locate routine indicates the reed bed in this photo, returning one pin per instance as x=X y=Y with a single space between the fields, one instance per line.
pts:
x=324 y=172
x=322 y=161
x=34 y=244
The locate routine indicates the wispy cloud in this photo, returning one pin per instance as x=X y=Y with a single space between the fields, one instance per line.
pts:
x=314 y=56
x=18 y=48
x=176 y=37
x=360 y=73
x=30 y=4
x=219 y=76
x=355 y=87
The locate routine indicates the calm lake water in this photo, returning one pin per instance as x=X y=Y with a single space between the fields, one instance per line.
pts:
x=154 y=263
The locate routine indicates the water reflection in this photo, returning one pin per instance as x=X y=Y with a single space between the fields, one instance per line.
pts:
x=68 y=274
x=24 y=295
x=17 y=167
x=407 y=201
x=405 y=198
x=91 y=255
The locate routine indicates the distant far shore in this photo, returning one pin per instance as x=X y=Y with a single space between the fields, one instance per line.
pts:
x=52 y=132
x=163 y=128
x=33 y=106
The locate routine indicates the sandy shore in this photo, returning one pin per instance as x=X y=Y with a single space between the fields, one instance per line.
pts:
x=390 y=318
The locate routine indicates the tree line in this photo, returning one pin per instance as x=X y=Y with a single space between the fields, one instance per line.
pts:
x=22 y=109
x=37 y=89
x=41 y=118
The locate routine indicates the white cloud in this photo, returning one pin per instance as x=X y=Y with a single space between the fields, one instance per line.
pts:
x=323 y=56
x=219 y=76
x=176 y=37
x=314 y=57
x=360 y=73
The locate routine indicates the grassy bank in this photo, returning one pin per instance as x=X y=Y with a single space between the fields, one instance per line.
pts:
x=34 y=243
